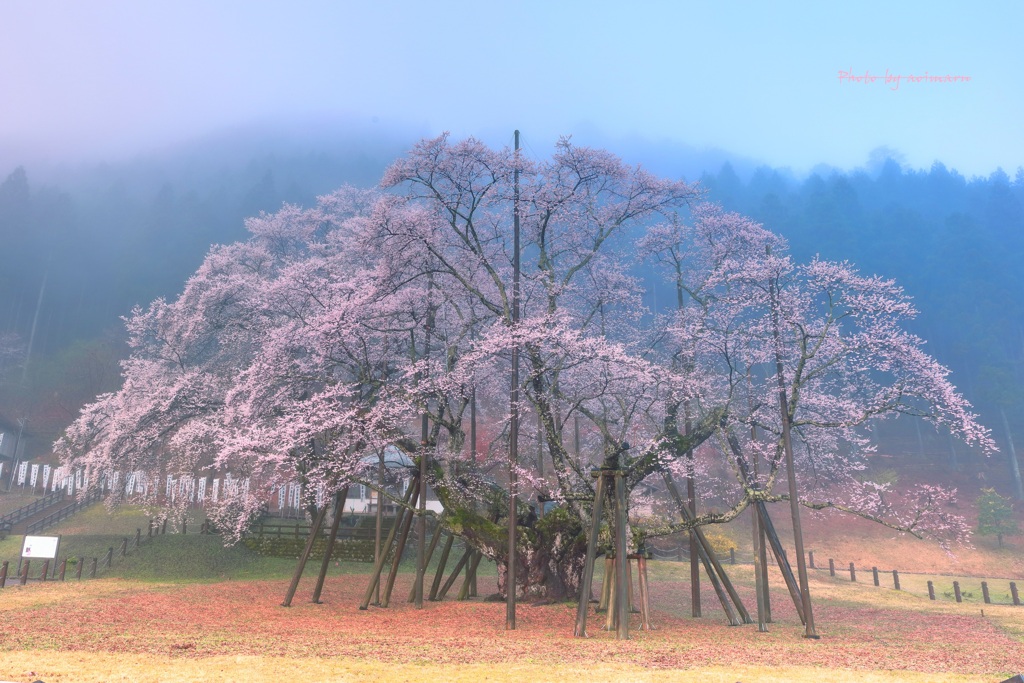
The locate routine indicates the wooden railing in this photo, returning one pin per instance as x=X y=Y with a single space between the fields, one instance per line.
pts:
x=26 y=511
x=302 y=531
x=93 y=496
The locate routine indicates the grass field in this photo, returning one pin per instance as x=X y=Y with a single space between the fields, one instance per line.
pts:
x=184 y=608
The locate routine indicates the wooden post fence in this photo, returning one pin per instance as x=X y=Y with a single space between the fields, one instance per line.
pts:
x=874 y=575
x=46 y=568
x=24 y=572
x=63 y=568
x=3 y=574
x=896 y=579
x=853 y=573
x=831 y=567
x=956 y=591
x=810 y=559
x=931 y=590
x=1013 y=591
x=78 y=568
x=984 y=592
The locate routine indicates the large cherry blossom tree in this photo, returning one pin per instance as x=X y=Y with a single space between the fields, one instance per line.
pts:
x=334 y=330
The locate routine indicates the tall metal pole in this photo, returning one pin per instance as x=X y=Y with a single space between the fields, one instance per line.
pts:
x=380 y=522
x=421 y=523
x=513 y=435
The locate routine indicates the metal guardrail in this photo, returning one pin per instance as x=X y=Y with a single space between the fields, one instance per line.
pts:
x=26 y=511
x=60 y=515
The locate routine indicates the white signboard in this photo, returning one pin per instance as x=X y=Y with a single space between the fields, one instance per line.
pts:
x=44 y=547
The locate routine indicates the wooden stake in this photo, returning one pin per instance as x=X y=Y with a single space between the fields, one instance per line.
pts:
x=429 y=554
x=339 y=508
x=780 y=558
x=588 y=563
x=403 y=536
x=314 y=530
x=441 y=565
x=379 y=566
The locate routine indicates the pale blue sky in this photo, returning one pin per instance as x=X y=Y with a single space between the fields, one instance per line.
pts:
x=105 y=78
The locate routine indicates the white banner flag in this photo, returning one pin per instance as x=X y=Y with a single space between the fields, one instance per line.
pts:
x=22 y=469
x=216 y=490
x=46 y=476
x=201 y=495
x=34 y=476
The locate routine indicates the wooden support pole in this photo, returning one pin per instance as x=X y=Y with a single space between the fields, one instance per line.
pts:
x=895 y=579
x=588 y=563
x=382 y=558
x=78 y=568
x=1014 y=595
x=124 y=547
x=3 y=574
x=46 y=568
x=403 y=536
x=467 y=584
x=466 y=556
x=606 y=585
x=339 y=508
x=63 y=568
x=760 y=586
x=719 y=579
x=477 y=557
x=780 y=559
x=763 y=553
x=984 y=593
x=956 y=591
x=853 y=573
x=874 y=574
x=831 y=567
x=110 y=557
x=645 y=601
x=434 y=538
x=810 y=558
x=931 y=590
x=24 y=572
x=314 y=531
x=621 y=560
x=92 y=570
x=441 y=566
x=610 y=614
